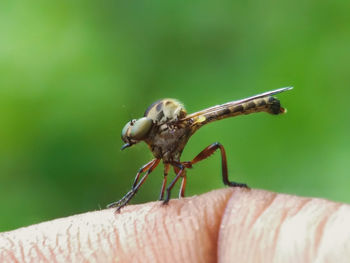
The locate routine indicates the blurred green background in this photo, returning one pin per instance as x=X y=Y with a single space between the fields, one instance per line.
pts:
x=72 y=73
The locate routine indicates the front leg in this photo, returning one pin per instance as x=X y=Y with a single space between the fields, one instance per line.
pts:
x=137 y=184
x=142 y=170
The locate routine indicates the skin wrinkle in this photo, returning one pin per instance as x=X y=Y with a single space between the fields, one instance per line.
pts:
x=264 y=209
x=79 y=242
x=166 y=231
x=108 y=244
x=284 y=217
x=137 y=241
x=189 y=254
x=52 y=254
x=225 y=229
x=39 y=251
x=171 y=225
x=96 y=257
x=326 y=208
x=154 y=226
x=218 y=230
x=99 y=245
x=56 y=242
x=98 y=249
x=12 y=244
x=7 y=253
x=267 y=205
x=21 y=250
x=185 y=217
x=278 y=229
x=180 y=210
x=338 y=225
x=121 y=240
x=124 y=230
x=106 y=237
x=111 y=238
x=139 y=231
x=303 y=203
x=89 y=242
x=174 y=221
x=68 y=239
x=44 y=240
x=193 y=225
x=151 y=220
x=230 y=232
x=319 y=233
x=97 y=240
x=161 y=230
x=117 y=240
x=180 y=216
x=34 y=257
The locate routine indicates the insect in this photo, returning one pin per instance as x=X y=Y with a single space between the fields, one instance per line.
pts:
x=166 y=128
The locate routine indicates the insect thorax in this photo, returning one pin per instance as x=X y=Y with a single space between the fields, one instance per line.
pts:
x=169 y=143
x=165 y=110
x=167 y=140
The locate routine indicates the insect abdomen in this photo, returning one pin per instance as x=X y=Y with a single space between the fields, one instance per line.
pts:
x=267 y=104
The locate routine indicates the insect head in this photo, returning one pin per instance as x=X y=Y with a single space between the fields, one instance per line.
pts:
x=135 y=131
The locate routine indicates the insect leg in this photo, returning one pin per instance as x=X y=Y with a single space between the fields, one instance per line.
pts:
x=183 y=181
x=166 y=171
x=142 y=170
x=124 y=201
x=209 y=151
x=183 y=186
x=171 y=185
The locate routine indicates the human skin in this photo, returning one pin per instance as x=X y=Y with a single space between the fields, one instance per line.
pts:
x=227 y=225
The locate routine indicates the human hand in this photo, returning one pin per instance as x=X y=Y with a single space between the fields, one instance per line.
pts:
x=227 y=225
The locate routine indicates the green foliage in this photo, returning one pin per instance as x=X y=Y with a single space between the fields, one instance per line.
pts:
x=72 y=73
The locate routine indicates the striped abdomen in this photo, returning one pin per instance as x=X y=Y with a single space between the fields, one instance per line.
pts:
x=265 y=104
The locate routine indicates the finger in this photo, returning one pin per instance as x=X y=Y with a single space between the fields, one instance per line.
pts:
x=189 y=230
x=260 y=226
x=186 y=230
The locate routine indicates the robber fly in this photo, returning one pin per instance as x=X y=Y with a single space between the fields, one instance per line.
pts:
x=166 y=128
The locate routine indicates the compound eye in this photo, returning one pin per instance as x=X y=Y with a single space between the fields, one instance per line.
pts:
x=140 y=128
x=126 y=130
